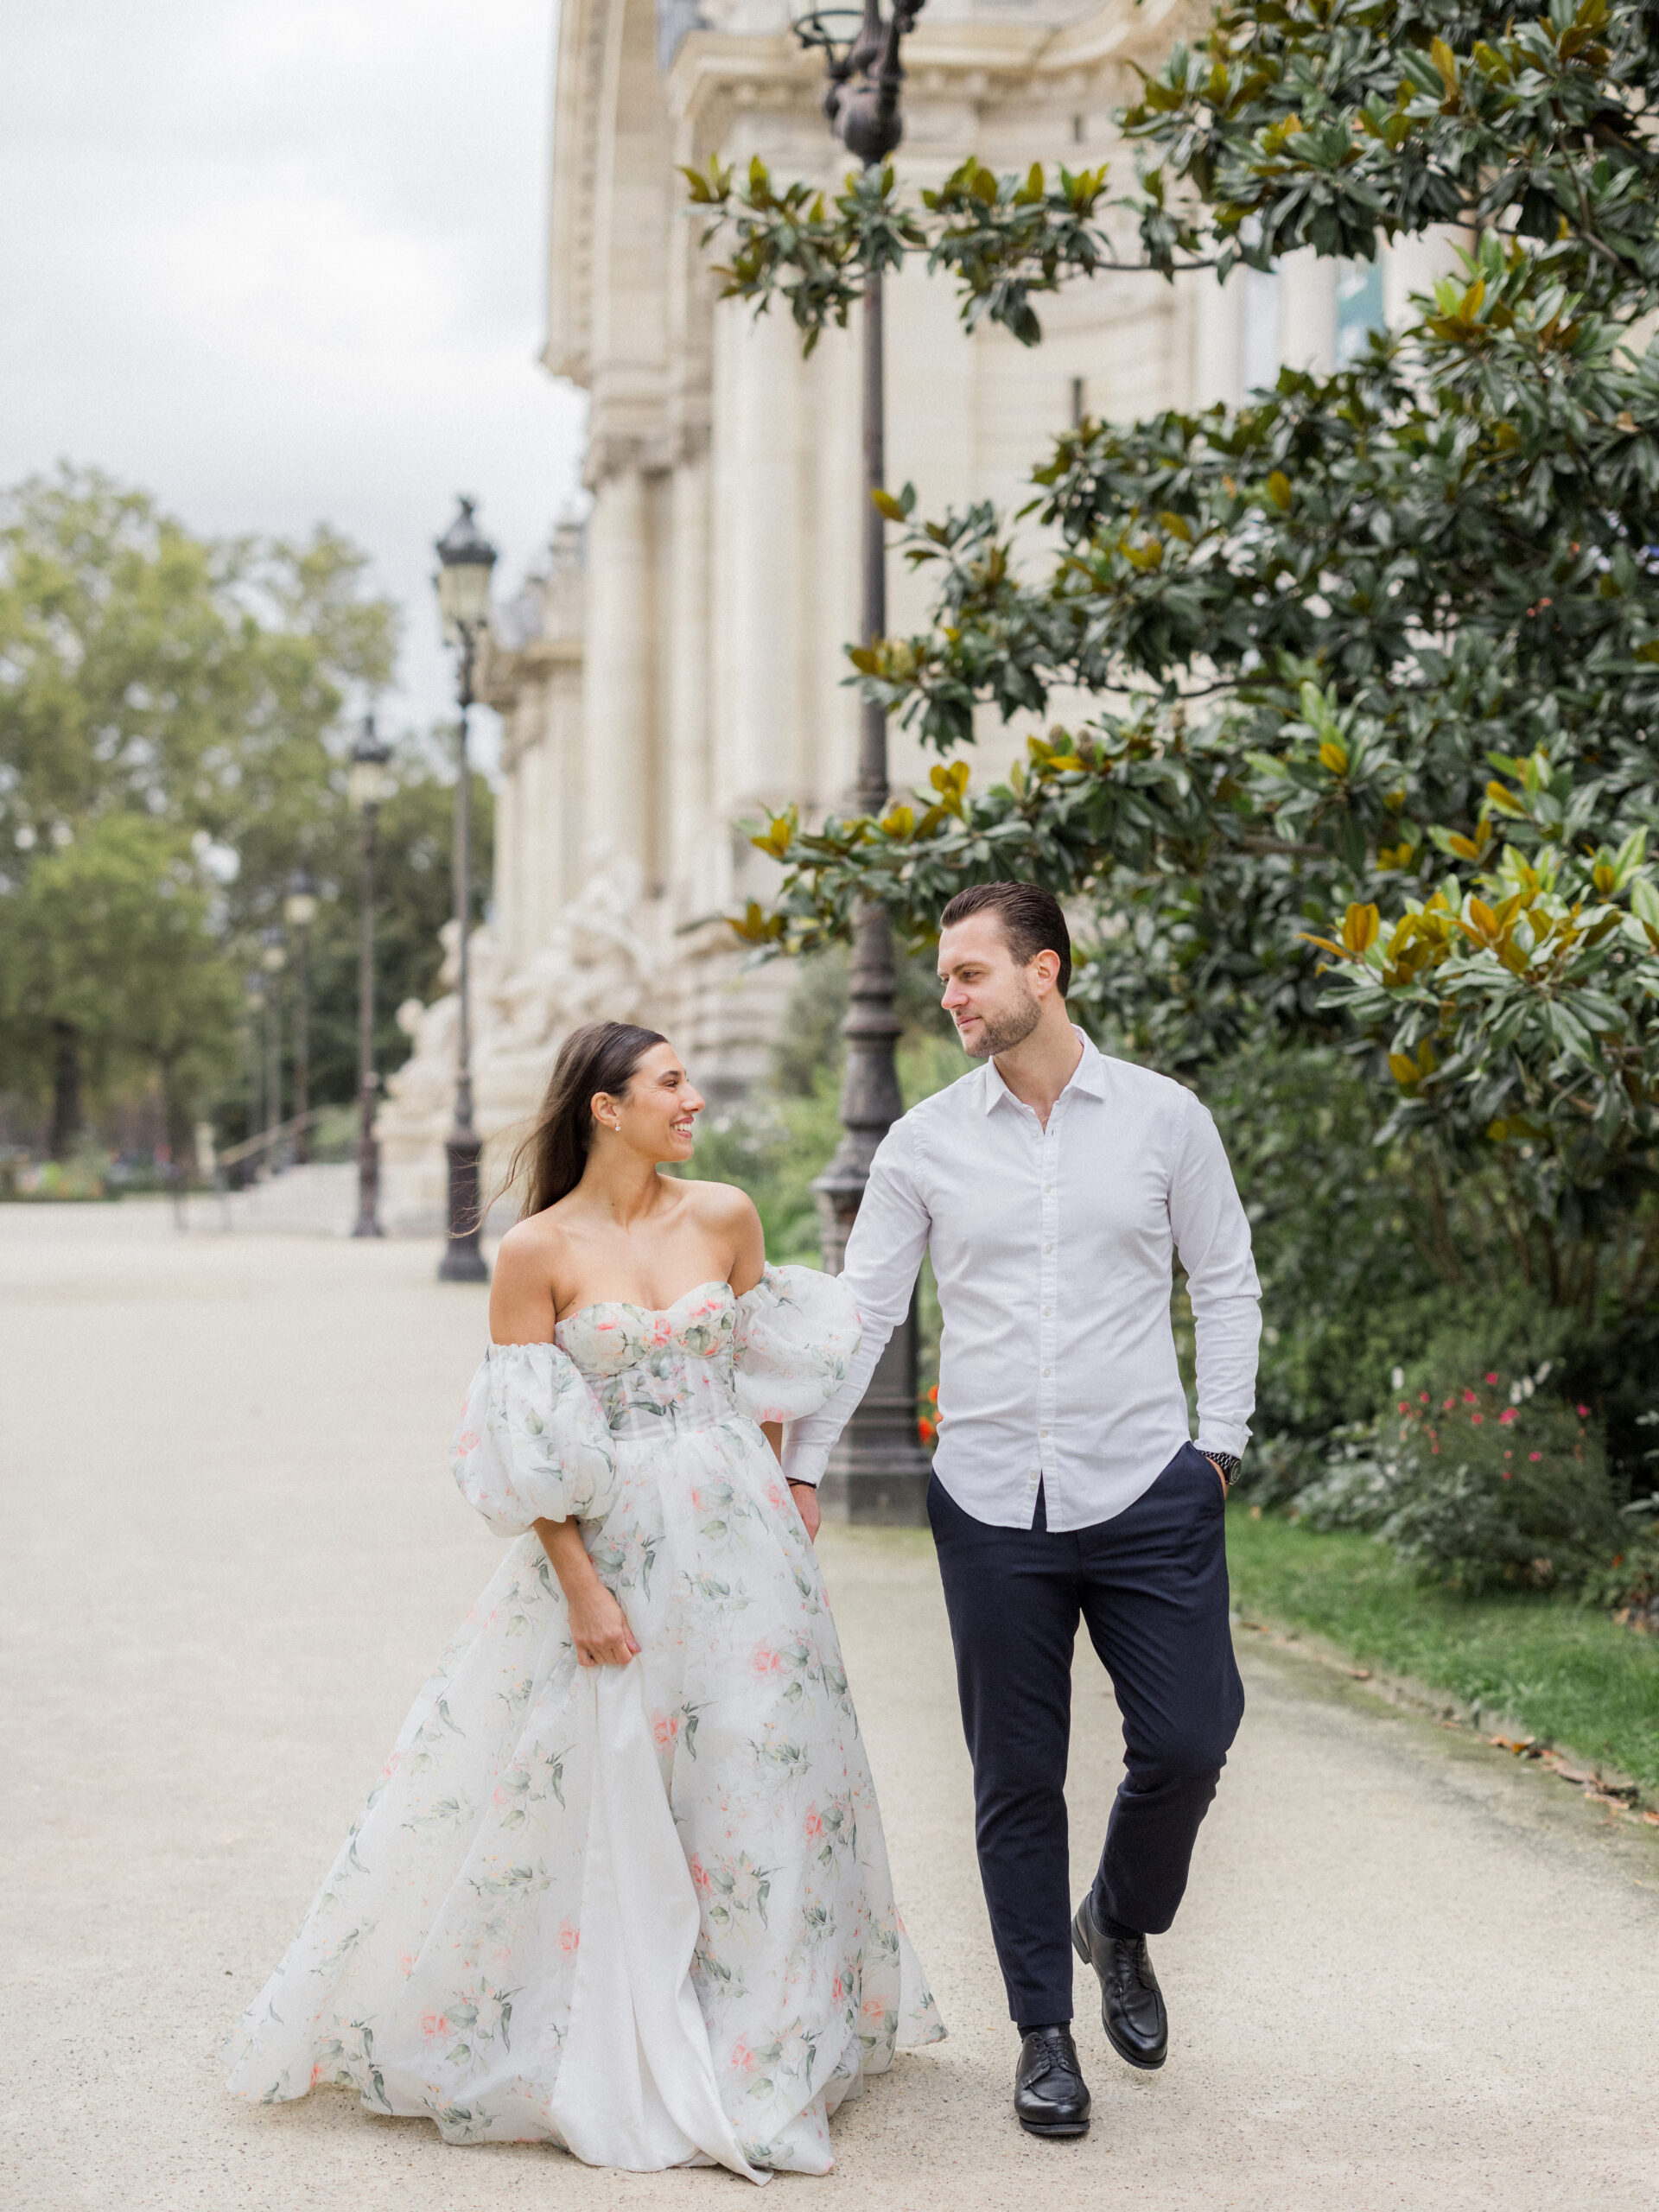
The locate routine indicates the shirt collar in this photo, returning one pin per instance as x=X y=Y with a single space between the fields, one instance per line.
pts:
x=1089 y=1075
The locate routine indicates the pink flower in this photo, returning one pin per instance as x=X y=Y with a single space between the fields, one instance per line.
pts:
x=874 y=2009
x=666 y=1726
x=1506 y=1416
x=1474 y=1419
x=1584 y=1413
x=570 y=1938
x=433 y=2024
x=1535 y=1457
x=699 y=1875
x=742 y=2057
x=1405 y=1405
x=836 y=1990
x=765 y=1662
x=1492 y=1378
x=1447 y=1406
x=1468 y=1398
x=1422 y=1399
x=815 y=1824
x=466 y=1441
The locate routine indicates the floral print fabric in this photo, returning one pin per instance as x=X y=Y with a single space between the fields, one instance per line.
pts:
x=441 y=1970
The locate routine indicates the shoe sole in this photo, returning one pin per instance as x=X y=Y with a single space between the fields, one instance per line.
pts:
x=1054 y=2127
x=1142 y=2063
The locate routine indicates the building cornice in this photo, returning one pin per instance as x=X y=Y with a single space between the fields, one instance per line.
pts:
x=983 y=58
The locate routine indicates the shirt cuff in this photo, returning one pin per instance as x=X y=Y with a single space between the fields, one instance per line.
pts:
x=804 y=1462
x=1229 y=1436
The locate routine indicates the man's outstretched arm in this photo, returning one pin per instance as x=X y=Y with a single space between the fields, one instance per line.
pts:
x=883 y=1256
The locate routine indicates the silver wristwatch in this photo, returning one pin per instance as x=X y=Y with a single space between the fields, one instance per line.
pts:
x=1229 y=1463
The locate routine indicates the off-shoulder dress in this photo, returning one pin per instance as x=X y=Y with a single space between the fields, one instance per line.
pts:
x=643 y=1912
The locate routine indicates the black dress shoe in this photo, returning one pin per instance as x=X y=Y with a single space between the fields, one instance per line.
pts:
x=1131 y=2003
x=1050 y=2094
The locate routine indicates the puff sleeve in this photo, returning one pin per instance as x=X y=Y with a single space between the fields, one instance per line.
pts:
x=797 y=1332
x=531 y=1446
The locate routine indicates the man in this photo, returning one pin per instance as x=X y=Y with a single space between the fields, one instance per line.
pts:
x=1050 y=1187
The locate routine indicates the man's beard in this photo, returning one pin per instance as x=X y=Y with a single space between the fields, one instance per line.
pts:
x=1001 y=1031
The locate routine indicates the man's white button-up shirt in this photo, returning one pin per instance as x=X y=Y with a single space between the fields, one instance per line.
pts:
x=1052 y=1248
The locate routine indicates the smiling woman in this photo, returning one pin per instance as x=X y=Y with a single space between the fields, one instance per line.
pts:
x=623 y=1884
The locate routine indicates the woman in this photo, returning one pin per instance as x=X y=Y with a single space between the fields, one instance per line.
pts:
x=622 y=1884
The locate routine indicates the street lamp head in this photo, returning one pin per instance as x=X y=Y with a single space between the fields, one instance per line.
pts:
x=368 y=778
x=465 y=558
x=860 y=55
x=300 y=907
x=273 y=959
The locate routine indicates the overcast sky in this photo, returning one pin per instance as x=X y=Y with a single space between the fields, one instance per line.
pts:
x=283 y=263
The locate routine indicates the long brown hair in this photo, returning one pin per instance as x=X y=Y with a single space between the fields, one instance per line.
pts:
x=600 y=1056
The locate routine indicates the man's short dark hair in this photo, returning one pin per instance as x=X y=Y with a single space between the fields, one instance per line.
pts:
x=1031 y=919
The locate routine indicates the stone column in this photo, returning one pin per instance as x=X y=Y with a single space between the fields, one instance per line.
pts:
x=621 y=669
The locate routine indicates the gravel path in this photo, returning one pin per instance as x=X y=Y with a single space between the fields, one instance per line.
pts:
x=1408 y=1973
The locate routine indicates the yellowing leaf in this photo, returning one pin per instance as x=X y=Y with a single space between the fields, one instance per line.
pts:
x=1279 y=490
x=1405 y=1072
x=1334 y=756
x=1359 y=928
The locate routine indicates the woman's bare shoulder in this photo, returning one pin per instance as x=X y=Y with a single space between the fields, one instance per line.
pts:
x=533 y=1247
x=719 y=1204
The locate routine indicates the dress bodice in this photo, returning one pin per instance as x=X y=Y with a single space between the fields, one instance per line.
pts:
x=653 y=1370
x=546 y=1426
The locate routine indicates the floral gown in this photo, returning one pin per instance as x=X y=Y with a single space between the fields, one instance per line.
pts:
x=644 y=1912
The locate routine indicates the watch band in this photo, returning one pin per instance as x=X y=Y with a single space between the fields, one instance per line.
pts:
x=1229 y=1462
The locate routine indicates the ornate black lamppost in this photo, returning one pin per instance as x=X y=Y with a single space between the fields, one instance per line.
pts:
x=878 y=1471
x=465 y=558
x=368 y=786
x=299 y=912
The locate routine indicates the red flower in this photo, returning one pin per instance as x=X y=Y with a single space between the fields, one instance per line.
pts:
x=1584 y=1413
x=1468 y=1398
x=933 y=1396
x=1405 y=1405
x=1506 y=1416
x=1492 y=1378
x=925 y=1430
x=1474 y=1419
x=1535 y=1455
x=1423 y=1398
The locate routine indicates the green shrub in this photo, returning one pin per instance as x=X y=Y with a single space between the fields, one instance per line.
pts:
x=1478 y=1482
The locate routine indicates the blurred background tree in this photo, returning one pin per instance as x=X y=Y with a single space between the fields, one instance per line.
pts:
x=172 y=750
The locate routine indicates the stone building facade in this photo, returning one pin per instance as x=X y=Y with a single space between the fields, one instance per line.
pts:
x=677 y=666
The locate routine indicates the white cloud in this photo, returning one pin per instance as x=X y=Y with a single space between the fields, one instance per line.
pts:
x=282 y=265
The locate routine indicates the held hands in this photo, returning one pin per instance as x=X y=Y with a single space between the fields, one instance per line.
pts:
x=599 y=1627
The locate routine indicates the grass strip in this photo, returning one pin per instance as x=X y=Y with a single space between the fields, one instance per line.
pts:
x=1564 y=1673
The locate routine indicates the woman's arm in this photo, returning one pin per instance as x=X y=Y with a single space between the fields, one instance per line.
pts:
x=599 y=1626
x=523 y=1302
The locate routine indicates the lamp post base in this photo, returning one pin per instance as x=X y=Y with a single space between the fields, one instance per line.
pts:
x=875 y=1497
x=878 y=1473
x=462 y=1261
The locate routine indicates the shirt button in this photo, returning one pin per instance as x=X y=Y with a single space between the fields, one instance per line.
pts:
x=1045 y=1432
x=1047 y=1370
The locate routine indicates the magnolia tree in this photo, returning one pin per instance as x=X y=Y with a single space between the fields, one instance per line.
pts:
x=1376 y=654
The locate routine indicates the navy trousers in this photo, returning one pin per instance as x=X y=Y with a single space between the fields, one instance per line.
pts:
x=1151 y=1585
